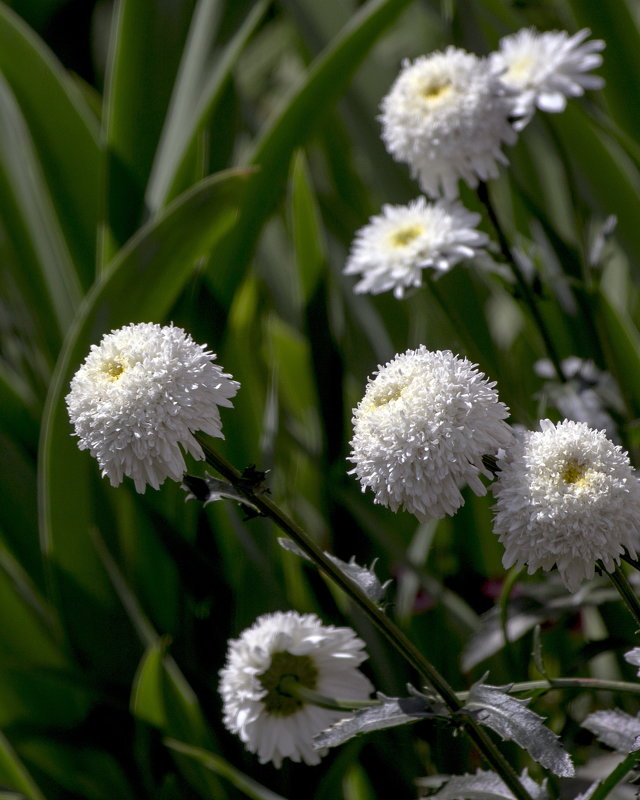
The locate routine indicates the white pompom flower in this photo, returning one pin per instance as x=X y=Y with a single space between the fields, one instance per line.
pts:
x=287 y=645
x=421 y=430
x=447 y=116
x=544 y=69
x=141 y=394
x=566 y=496
x=392 y=251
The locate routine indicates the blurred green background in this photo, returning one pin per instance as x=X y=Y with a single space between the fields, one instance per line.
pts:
x=130 y=133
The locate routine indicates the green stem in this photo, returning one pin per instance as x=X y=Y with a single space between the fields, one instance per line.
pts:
x=594 y=684
x=527 y=294
x=614 y=778
x=386 y=626
x=289 y=685
x=621 y=582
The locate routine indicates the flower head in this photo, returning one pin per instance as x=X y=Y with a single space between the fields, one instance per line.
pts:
x=393 y=249
x=446 y=116
x=566 y=496
x=285 y=645
x=546 y=68
x=139 y=395
x=421 y=430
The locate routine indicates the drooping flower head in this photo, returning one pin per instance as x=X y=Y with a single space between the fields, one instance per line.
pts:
x=139 y=395
x=447 y=116
x=544 y=69
x=287 y=645
x=566 y=496
x=395 y=247
x=421 y=430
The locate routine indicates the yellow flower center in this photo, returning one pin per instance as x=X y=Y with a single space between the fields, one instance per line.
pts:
x=520 y=69
x=575 y=473
x=113 y=369
x=404 y=236
x=436 y=90
x=285 y=665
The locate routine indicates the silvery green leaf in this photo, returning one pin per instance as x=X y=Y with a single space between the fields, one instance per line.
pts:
x=210 y=489
x=483 y=785
x=391 y=712
x=363 y=577
x=633 y=657
x=511 y=719
x=616 y=729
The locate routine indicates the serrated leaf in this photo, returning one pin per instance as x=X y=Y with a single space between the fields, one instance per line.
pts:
x=210 y=489
x=363 y=577
x=513 y=721
x=483 y=785
x=391 y=712
x=616 y=729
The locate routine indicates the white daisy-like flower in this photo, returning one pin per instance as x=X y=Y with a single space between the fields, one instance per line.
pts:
x=447 y=116
x=139 y=395
x=421 y=430
x=544 y=69
x=394 y=248
x=566 y=497
x=287 y=645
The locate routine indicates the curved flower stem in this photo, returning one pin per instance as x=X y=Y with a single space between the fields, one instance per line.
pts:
x=629 y=597
x=527 y=294
x=385 y=625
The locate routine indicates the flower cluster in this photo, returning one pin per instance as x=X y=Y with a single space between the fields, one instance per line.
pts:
x=139 y=395
x=259 y=705
x=448 y=116
x=421 y=431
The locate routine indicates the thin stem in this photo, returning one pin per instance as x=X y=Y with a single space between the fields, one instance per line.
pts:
x=292 y=687
x=594 y=684
x=386 y=626
x=629 y=597
x=527 y=294
x=614 y=778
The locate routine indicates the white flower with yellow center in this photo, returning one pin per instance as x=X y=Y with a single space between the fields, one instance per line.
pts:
x=544 y=69
x=255 y=683
x=395 y=247
x=566 y=496
x=139 y=395
x=447 y=116
x=421 y=430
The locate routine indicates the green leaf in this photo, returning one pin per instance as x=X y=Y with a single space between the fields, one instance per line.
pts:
x=221 y=767
x=197 y=92
x=14 y=774
x=147 y=39
x=64 y=131
x=141 y=284
x=45 y=272
x=328 y=75
x=305 y=223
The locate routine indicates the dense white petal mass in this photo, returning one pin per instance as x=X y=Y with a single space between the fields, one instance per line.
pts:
x=396 y=246
x=447 y=116
x=322 y=658
x=139 y=395
x=544 y=69
x=566 y=496
x=421 y=430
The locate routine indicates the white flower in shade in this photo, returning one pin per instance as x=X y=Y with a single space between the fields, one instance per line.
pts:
x=393 y=249
x=285 y=646
x=421 y=430
x=566 y=497
x=546 y=68
x=139 y=395
x=447 y=116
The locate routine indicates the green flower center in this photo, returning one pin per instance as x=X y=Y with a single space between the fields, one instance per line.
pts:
x=285 y=665
x=404 y=236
